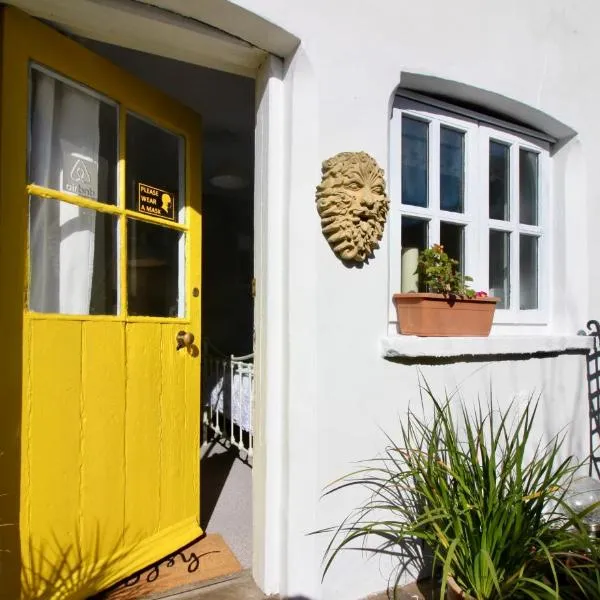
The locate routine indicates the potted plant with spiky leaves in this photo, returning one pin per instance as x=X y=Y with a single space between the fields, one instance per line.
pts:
x=487 y=503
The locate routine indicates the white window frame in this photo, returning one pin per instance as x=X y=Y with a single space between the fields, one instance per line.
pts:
x=479 y=129
x=514 y=315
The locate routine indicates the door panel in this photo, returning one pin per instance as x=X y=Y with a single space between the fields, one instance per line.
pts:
x=76 y=475
x=102 y=463
x=55 y=389
x=173 y=413
x=143 y=424
x=110 y=406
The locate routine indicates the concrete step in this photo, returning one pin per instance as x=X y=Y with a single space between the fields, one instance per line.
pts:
x=237 y=587
x=242 y=587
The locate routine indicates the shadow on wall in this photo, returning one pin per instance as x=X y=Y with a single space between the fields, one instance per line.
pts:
x=593 y=380
x=53 y=572
x=481 y=358
x=85 y=571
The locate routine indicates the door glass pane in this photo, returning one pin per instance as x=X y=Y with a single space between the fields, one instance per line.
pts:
x=528 y=187
x=415 y=158
x=154 y=264
x=452 y=169
x=499 y=184
x=414 y=239
x=500 y=267
x=73 y=139
x=528 y=272
x=154 y=170
x=72 y=258
x=452 y=238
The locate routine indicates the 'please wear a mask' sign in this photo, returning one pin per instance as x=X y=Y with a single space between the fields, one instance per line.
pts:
x=154 y=201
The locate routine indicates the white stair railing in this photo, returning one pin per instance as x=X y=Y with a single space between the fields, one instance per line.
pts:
x=228 y=399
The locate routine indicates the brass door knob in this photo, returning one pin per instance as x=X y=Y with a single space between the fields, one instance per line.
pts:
x=185 y=339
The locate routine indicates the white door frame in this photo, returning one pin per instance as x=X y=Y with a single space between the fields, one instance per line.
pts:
x=270 y=315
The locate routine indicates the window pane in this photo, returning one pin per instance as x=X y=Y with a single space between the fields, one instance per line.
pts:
x=452 y=237
x=414 y=239
x=499 y=267
x=415 y=156
x=452 y=168
x=153 y=267
x=414 y=233
x=528 y=272
x=73 y=140
x=528 y=187
x=154 y=170
x=73 y=259
x=499 y=187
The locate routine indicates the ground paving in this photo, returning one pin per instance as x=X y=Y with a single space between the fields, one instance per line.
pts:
x=243 y=587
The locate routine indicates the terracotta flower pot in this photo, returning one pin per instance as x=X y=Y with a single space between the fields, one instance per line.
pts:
x=443 y=316
x=454 y=592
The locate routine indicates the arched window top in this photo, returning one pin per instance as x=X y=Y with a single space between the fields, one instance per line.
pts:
x=483 y=105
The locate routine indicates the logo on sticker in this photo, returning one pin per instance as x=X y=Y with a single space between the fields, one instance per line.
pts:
x=80 y=175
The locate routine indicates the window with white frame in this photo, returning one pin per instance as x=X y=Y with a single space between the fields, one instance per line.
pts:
x=479 y=187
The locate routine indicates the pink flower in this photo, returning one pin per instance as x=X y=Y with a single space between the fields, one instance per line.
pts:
x=480 y=294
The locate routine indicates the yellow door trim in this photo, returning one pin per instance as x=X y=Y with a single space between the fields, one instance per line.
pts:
x=48 y=193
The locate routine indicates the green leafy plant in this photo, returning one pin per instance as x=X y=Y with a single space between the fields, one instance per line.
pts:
x=492 y=520
x=439 y=273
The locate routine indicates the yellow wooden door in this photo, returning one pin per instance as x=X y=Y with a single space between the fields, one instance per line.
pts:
x=100 y=218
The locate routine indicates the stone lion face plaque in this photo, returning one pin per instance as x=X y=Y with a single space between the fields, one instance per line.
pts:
x=352 y=204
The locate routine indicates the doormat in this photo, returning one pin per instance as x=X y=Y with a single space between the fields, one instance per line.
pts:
x=207 y=558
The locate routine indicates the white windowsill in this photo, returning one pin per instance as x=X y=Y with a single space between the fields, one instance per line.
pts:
x=410 y=346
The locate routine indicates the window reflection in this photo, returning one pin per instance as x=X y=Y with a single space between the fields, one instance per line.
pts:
x=452 y=237
x=452 y=169
x=528 y=187
x=73 y=139
x=528 y=272
x=153 y=270
x=154 y=165
x=73 y=259
x=499 y=183
x=499 y=267
x=415 y=157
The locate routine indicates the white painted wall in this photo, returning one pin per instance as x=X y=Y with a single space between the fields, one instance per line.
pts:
x=337 y=388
